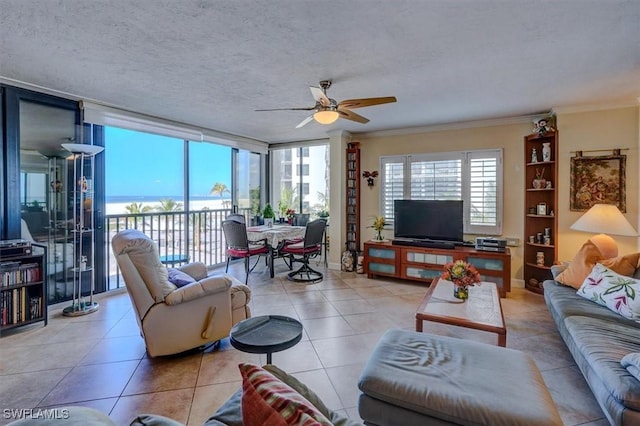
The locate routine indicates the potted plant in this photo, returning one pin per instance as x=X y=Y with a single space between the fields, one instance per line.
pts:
x=268 y=214
x=289 y=214
x=282 y=208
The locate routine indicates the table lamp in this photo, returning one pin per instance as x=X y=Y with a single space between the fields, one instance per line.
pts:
x=604 y=219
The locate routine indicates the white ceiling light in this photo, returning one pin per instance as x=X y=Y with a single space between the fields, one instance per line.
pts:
x=326 y=116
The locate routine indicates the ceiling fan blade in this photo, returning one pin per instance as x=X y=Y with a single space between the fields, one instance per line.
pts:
x=319 y=96
x=287 y=109
x=350 y=115
x=305 y=121
x=365 y=102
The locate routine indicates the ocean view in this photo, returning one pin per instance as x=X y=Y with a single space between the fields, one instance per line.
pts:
x=118 y=204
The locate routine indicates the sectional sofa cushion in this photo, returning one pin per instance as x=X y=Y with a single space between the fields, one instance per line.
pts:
x=416 y=379
x=564 y=302
x=602 y=344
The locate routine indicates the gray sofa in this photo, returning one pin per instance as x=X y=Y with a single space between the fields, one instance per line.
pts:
x=598 y=339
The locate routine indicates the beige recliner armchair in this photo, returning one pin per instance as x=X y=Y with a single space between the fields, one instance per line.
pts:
x=175 y=319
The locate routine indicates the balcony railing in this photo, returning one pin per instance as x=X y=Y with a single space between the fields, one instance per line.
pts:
x=196 y=236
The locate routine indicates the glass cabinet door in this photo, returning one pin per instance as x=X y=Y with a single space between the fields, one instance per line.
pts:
x=45 y=208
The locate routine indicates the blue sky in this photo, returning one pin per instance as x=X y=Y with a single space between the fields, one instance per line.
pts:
x=142 y=164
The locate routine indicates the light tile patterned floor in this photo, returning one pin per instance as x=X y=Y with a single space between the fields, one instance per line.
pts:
x=99 y=360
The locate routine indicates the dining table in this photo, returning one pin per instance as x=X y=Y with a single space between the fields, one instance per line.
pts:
x=275 y=235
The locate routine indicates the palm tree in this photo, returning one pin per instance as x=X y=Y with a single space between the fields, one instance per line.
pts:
x=137 y=208
x=289 y=197
x=220 y=188
x=169 y=205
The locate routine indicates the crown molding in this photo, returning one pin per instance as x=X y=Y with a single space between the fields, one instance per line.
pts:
x=456 y=125
x=627 y=103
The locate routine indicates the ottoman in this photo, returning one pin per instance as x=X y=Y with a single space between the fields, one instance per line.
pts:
x=416 y=379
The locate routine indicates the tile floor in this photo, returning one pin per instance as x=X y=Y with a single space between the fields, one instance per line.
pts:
x=99 y=360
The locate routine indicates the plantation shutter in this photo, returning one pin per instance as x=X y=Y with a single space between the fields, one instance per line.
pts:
x=393 y=184
x=485 y=192
x=472 y=176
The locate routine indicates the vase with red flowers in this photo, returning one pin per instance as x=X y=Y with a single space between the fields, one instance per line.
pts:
x=462 y=275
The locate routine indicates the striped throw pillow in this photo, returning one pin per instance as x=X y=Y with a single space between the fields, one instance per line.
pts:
x=268 y=401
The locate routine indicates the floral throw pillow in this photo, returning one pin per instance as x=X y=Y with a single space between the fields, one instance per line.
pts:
x=617 y=292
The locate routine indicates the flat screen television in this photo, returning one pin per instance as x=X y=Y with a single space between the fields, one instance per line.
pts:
x=439 y=220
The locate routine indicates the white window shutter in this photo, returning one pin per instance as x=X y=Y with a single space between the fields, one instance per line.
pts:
x=485 y=192
x=392 y=184
x=474 y=177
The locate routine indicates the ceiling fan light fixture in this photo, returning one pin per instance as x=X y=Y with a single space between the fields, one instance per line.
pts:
x=326 y=116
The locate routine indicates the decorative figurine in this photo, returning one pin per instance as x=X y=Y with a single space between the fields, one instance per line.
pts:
x=542 y=126
x=83 y=184
x=534 y=156
x=370 y=176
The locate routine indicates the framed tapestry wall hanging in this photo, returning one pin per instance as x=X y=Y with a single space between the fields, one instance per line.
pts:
x=598 y=180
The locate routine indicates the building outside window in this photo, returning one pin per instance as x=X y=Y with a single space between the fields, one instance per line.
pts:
x=306 y=189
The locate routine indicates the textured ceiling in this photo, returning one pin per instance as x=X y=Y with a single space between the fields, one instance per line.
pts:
x=212 y=63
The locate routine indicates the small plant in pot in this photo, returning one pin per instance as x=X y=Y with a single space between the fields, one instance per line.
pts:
x=268 y=215
x=282 y=209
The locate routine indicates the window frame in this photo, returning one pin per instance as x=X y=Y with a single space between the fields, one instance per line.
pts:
x=405 y=161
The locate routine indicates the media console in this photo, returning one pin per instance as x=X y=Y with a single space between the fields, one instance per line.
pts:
x=424 y=243
x=419 y=263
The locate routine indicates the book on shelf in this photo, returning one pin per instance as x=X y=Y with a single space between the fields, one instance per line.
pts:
x=18 y=306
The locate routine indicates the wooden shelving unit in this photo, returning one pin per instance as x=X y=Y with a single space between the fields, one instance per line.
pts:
x=540 y=209
x=353 y=197
x=23 y=288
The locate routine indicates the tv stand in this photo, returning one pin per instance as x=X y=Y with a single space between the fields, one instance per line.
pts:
x=425 y=243
x=424 y=263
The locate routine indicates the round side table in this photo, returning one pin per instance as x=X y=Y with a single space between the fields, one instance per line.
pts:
x=265 y=334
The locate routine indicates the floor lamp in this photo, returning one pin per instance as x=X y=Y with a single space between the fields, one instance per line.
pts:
x=605 y=220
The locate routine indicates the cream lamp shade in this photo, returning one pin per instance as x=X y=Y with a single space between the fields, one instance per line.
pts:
x=604 y=219
x=326 y=116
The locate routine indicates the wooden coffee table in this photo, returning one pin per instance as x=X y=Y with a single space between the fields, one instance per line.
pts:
x=482 y=311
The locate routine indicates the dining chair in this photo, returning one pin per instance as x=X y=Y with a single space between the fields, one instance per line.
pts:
x=303 y=251
x=237 y=217
x=300 y=219
x=239 y=246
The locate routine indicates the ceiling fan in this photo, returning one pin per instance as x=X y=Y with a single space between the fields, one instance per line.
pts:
x=327 y=110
